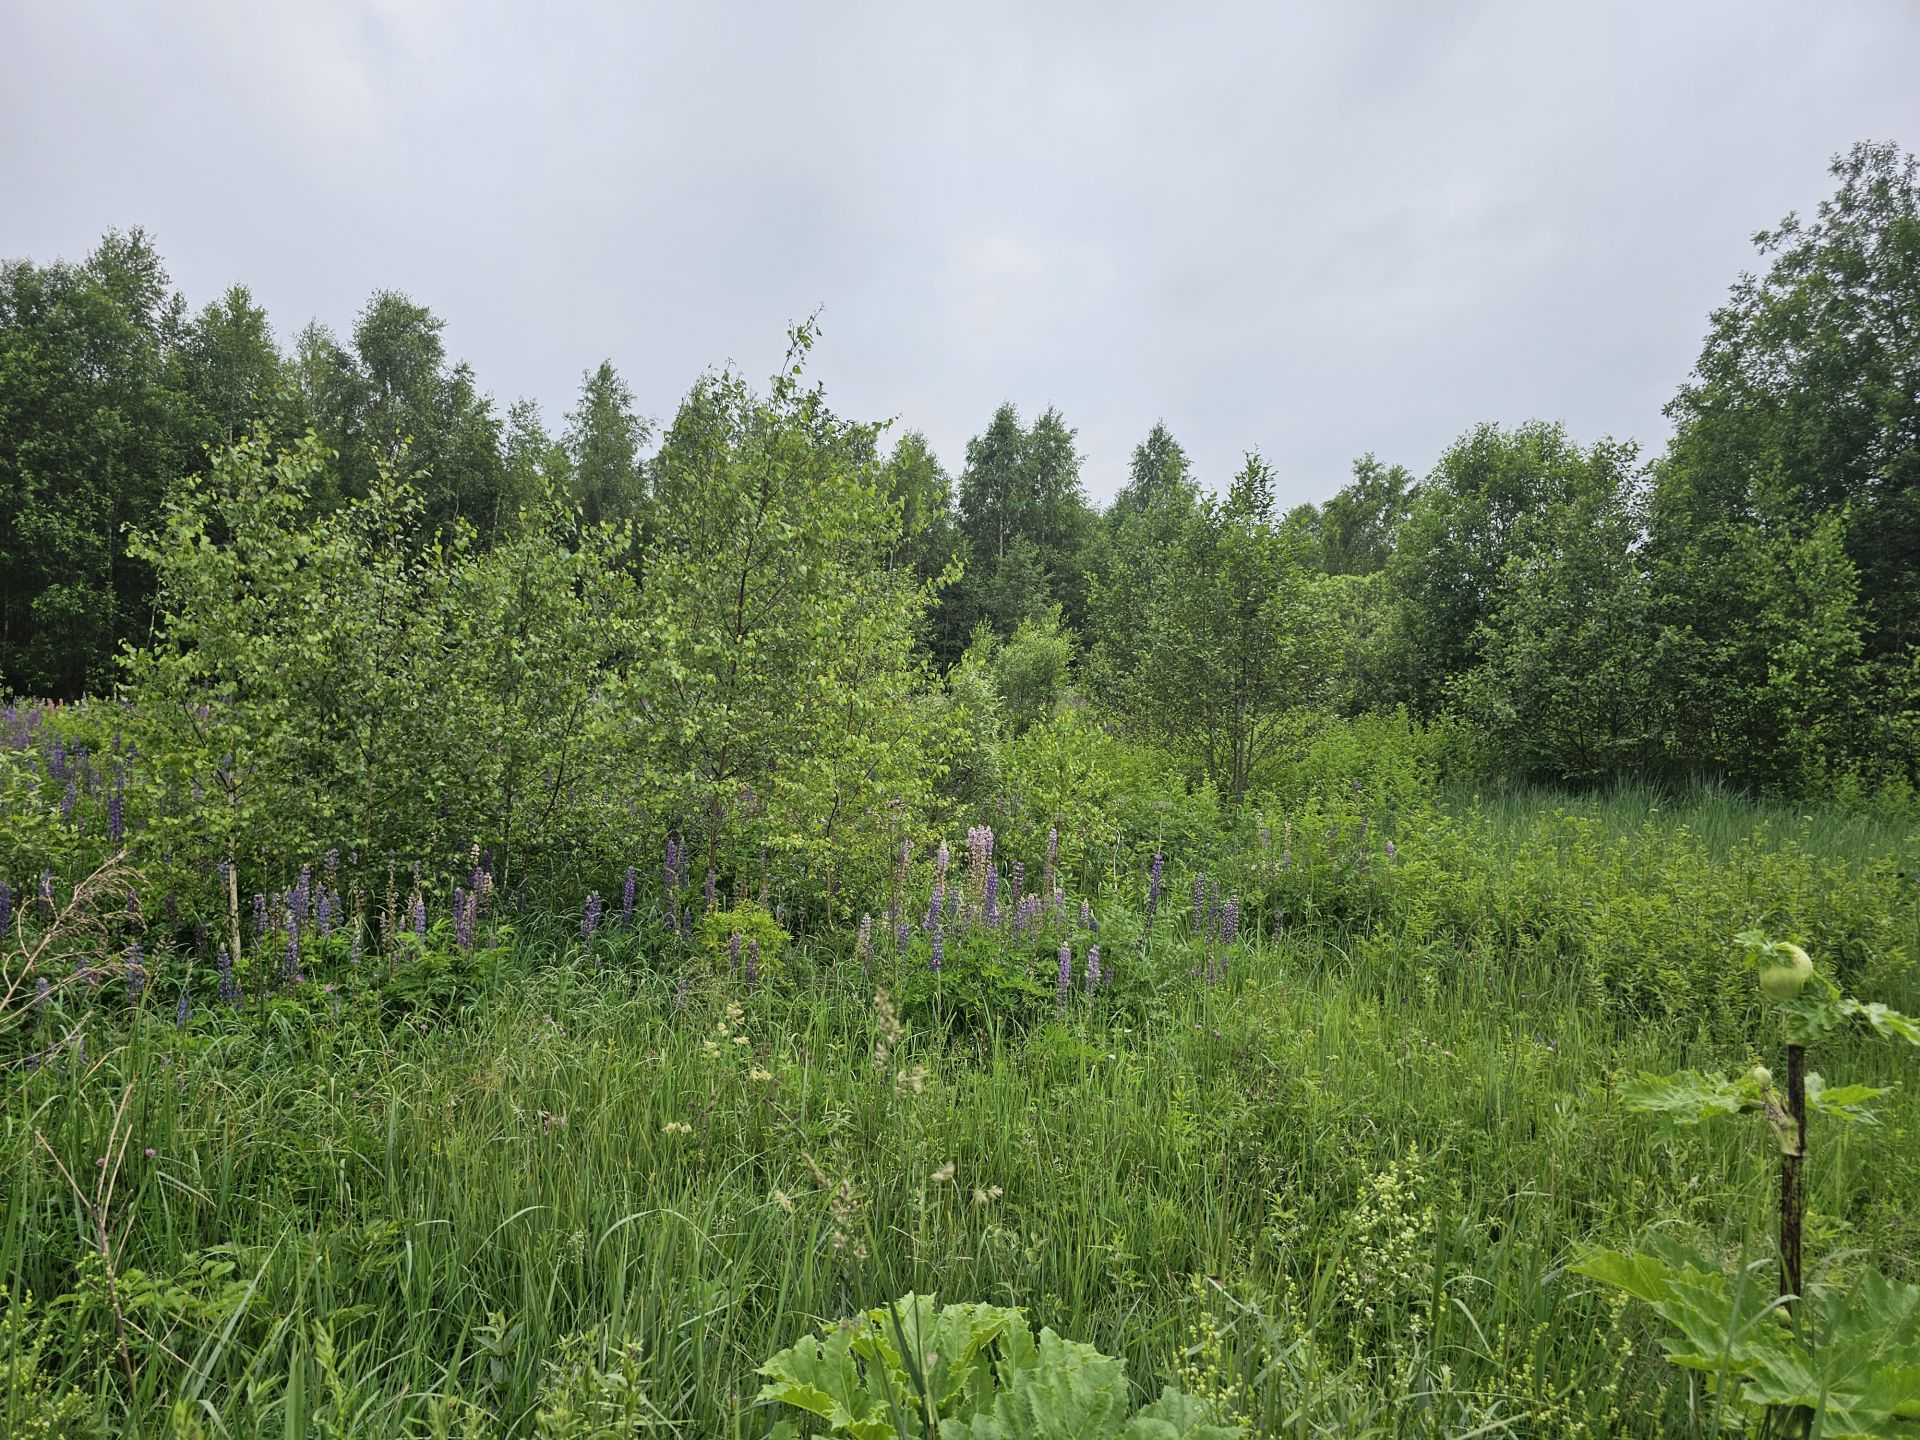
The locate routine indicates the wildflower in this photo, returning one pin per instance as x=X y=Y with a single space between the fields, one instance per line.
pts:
x=223 y=964
x=993 y=897
x=944 y=1174
x=420 y=916
x=707 y=890
x=677 y=1127
x=680 y=993
x=901 y=934
x=1199 y=902
x=1093 y=968
x=626 y=898
x=1229 y=922
x=590 y=920
x=292 y=970
x=939 y=951
x=673 y=861
x=1017 y=878
x=323 y=912
x=135 y=974
x=300 y=898
x=353 y=951
x=1053 y=853
x=66 y=801
x=934 y=904
x=1066 y=971
x=941 y=859
x=1086 y=915
x=183 y=1012
x=863 y=942
x=988 y=1195
x=117 y=816
x=753 y=963
x=259 y=914
x=1392 y=850
x=733 y=953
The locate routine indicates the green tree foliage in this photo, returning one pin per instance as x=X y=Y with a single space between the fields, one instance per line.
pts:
x=335 y=683
x=1234 y=636
x=777 y=690
x=98 y=416
x=1358 y=527
x=603 y=440
x=1803 y=412
x=1147 y=517
x=1482 y=507
x=394 y=393
x=1563 y=684
x=1025 y=523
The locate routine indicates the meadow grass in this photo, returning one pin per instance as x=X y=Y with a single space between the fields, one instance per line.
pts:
x=1338 y=1190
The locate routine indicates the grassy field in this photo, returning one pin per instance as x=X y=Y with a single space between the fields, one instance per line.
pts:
x=585 y=1189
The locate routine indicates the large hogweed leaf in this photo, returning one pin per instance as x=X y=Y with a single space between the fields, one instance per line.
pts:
x=916 y=1370
x=1855 y=1360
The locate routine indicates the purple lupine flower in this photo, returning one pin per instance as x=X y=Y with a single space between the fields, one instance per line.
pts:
x=673 y=861
x=66 y=801
x=1199 y=902
x=590 y=921
x=1017 y=878
x=1086 y=915
x=6 y=910
x=117 y=816
x=353 y=950
x=939 y=952
x=259 y=914
x=934 y=904
x=135 y=974
x=183 y=1012
x=993 y=897
x=753 y=964
x=1066 y=971
x=1093 y=968
x=1154 y=874
x=901 y=933
x=953 y=904
x=57 y=760
x=290 y=970
x=941 y=859
x=1229 y=922
x=1392 y=850
x=707 y=890
x=420 y=916
x=300 y=898
x=330 y=865
x=462 y=920
x=626 y=899
x=133 y=907
x=733 y=953
x=223 y=964
x=863 y=942
x=323 y=915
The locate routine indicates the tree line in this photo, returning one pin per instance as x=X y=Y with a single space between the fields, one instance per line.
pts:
x=1742 y=605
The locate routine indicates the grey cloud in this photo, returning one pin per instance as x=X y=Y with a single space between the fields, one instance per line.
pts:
x=1311 y=230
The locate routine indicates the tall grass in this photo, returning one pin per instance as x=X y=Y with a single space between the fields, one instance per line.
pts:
x=329 y=1226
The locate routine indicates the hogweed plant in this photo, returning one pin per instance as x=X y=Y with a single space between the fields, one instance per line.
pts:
x=914 y=1368
x=1818 y=1359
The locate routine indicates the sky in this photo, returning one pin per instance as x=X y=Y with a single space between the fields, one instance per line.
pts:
x=1312 y=230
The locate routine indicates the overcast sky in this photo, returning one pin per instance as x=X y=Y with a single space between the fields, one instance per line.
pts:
x=1312 y=230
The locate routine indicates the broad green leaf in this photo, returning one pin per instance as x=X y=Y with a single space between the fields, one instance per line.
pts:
x=1688 y=1097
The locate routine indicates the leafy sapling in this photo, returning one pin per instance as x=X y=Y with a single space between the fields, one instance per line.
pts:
x=1810 y=1361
